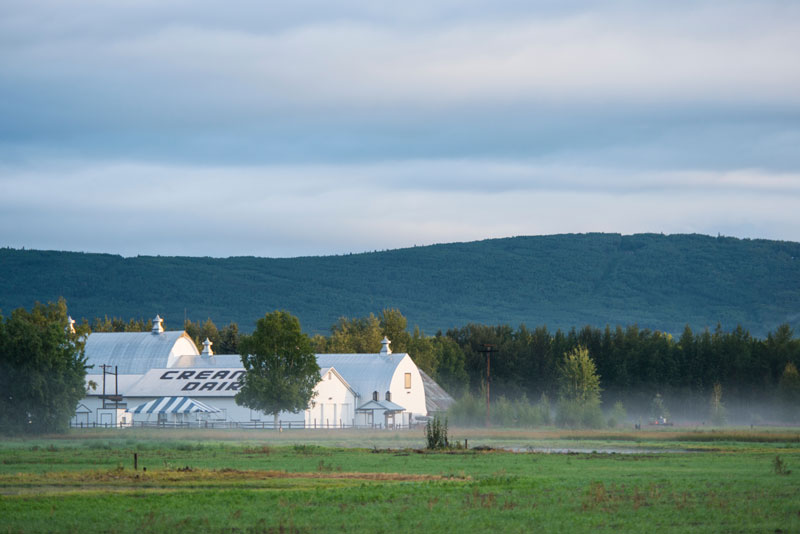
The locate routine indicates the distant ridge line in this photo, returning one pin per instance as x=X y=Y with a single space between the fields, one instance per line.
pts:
x=656 y=281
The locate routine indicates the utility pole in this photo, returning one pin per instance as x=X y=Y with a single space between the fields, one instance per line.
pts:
x=488 y=349
x=103 y=367
x=116 y=398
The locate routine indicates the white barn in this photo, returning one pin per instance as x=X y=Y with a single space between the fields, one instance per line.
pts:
x=160 y=377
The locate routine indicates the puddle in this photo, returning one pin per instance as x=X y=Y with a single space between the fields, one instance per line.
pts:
x=594 y=450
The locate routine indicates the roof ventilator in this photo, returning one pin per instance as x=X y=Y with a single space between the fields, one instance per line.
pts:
x=158 y=328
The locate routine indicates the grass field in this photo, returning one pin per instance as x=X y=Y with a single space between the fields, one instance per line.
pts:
x=339 y=481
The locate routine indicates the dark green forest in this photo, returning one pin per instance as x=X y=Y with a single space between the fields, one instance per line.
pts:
x=654 y=281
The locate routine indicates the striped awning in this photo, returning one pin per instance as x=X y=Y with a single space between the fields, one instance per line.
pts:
x=173 y=405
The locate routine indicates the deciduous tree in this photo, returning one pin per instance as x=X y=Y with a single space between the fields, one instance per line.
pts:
x=280 y=367
x=578 y=378
x=42 y=369
x=579 y=386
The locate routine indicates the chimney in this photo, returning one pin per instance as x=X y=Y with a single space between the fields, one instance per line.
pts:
x=207 y=348
x=385 y=346
x=157 y=326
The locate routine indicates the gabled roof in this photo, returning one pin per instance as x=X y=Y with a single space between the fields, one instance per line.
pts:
x=375 y=405
x=325 y=370
x=224 y=361
x=365 y=372
x=132 y=352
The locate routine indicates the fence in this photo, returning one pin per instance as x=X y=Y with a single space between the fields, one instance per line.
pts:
x=248 y=425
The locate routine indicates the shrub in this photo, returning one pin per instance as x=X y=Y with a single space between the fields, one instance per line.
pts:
x=528 y=415
x=779 y=466
x=545 y=412
x=574 y=414
x=503 y=412
x=436 y=434
x=718 y=416
x=468 y=410
x=618 y=415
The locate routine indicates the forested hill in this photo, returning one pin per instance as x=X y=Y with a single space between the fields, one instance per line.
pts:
x=656 y=281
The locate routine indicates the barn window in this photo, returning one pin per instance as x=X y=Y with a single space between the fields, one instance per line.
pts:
x=408 y=380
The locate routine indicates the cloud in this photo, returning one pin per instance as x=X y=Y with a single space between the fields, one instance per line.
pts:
x=307 y=210
x=192 y=71
x=280 y=129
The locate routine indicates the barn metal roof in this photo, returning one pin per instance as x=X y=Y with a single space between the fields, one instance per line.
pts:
x=365 y=372
x=224 y=361
x=436 y=398
x=134 y=353
x=375 y=405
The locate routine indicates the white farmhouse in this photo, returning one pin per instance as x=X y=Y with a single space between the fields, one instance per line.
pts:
x=161 y=377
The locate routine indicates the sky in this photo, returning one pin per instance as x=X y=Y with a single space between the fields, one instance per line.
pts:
x=200 y=128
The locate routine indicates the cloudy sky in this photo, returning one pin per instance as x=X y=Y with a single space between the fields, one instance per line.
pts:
x=316 y=127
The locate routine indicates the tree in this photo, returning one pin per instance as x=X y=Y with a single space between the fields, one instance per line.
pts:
x=578 y=378
x=658 y=411
x=579 y=387
x=280 y=368
x=450 y=373
x=42 y=369
x=354 y=336
x=229 y=339
x=117 y=324
x=200 y=332
x=394 y=326
x=789 y=390
x=717 y=409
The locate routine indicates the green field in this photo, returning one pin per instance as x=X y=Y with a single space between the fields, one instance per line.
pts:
x=256 y=481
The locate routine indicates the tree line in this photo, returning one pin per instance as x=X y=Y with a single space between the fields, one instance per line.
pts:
x=43 y=368
x=633 y=364
x=653 y=280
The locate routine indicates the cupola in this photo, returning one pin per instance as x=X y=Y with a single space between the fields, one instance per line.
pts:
x=158 y=328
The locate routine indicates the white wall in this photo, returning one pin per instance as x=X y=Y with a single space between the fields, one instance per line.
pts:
x=184 y=345
x=333 y=404
x=413 y=398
